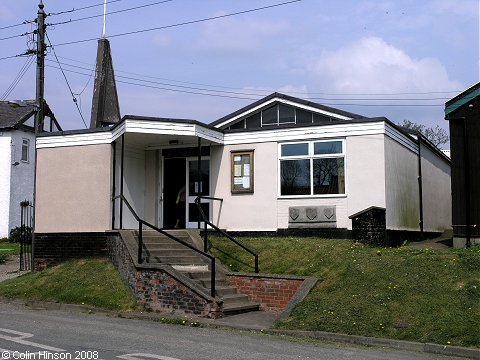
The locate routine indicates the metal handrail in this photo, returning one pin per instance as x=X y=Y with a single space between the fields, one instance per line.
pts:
x=142 y=222
x=213 y=226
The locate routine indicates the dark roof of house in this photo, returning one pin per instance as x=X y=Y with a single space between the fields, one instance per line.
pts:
x=290 y=98
x=14 y=113
x=462 y=100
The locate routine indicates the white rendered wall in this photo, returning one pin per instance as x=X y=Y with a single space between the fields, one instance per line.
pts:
x=73 y=191
x=264 y=210
x=22 y=175
x=437 y=195
x=5 y=170
x=256 y=211
x=134 y=185
x=403 y=204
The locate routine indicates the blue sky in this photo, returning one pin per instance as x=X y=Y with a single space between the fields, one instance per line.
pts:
x=332 y=52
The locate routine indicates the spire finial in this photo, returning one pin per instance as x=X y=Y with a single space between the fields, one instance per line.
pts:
x=104 y=18
x=40 y=5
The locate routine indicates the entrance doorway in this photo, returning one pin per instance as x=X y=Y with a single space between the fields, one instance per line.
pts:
x=181 y=186
x=174 y=180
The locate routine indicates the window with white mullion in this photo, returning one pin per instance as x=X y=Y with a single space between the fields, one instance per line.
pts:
x=312 y=168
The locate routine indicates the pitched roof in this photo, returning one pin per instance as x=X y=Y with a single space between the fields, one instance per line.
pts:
x=462 y=99
x=14 y=113
x=299 y=101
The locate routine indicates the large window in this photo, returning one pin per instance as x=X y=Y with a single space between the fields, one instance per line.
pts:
x=312 y=168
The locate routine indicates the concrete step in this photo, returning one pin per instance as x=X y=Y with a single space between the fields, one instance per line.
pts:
x=225 y=290
x=179 y=260
x=167 y=251
x=238 y=308
x=235 y=298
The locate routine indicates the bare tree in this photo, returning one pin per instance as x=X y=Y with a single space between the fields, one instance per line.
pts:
x=436 y=135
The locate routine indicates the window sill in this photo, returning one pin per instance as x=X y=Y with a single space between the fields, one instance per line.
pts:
x=293 y=197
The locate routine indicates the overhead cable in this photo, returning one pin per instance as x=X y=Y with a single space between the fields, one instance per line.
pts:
x=183 y=23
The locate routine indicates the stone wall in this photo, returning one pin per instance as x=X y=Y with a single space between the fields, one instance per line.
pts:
x=158 y=288
x=272 y=292
x=54 y=248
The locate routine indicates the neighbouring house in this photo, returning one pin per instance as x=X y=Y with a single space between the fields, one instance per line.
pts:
x=280 y=164
x=463 y=115
x=17 y=158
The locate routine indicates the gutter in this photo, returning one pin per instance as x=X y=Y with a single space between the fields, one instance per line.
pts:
x=420 y=183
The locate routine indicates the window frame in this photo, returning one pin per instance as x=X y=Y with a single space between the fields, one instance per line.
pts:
x=311 y=156
x=25 y=143
x=251 y=154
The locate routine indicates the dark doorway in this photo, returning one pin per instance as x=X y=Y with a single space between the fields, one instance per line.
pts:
x=174 y=171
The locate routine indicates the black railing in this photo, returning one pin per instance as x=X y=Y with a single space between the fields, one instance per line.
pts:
x=207 y=222
x=26 y=222
x=142 y=222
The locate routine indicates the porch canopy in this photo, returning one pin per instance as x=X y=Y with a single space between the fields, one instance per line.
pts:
x=84 y=169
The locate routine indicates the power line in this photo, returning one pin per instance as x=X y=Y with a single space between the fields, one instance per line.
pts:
x=242 y=93
x=15 y=25
x=266 y=92
x=66 y=80
x=82 y=8
x=19 y=77
x=109 y=13
x=183 y=23
x=252 y=97
x=15 y=36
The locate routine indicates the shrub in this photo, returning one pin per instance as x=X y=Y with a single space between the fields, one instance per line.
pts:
x=16 y=234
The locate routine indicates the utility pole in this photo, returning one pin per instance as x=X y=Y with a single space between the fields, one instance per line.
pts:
x=39 y=98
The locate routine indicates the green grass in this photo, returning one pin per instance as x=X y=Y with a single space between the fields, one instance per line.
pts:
x=9 y=248
x=417 y=295
x=88 y=282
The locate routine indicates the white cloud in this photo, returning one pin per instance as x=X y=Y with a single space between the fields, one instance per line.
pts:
x=373 y=66
x=238 y=35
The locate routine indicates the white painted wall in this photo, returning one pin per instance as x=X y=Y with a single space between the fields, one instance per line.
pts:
x=401 y=165
x=437 y=195
x=22 y=175
x=265 y=211
x=5 y=170
x=134 y=185
x=257 y=211
x=151 y=186
x=365 y=173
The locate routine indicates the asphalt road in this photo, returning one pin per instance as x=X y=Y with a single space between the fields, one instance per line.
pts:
x=47 y=334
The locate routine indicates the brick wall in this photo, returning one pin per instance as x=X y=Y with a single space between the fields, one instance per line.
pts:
x=156 y=288
x=369 y=226
x=273 y=293
x=54 y=248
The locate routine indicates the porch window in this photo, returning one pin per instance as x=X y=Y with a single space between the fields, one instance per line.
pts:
x=242 y=171
x=312 y=168
x=25 y=150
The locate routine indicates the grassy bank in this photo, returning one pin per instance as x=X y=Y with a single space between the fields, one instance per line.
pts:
x=89 y=282
x=419 y=295
x=7 y=249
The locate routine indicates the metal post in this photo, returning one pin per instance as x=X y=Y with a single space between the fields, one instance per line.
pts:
x=140 y=242
x=205 y=237
x=420 y=184
x=22 y=236
x=212 y=278
x=122 y=164
x=256 y=264
x=199 y=176
x=114 y=165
